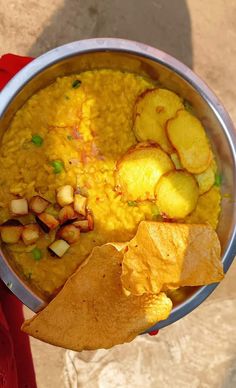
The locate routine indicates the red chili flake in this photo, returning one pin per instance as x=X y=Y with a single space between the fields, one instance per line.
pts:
x=84 y=157
x=94 y=149
x=166 y=218
x=101 y=157
x=87 y=185
x=76 y=134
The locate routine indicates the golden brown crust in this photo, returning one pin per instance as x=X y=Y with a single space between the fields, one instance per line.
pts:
x=165 y=256
x=92 y=312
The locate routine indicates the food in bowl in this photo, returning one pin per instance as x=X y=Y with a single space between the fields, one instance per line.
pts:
x=88 y=158
x=122 y=289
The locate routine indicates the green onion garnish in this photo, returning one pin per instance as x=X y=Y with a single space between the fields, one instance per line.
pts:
x=188 y=106
x=37 y=140
x=58 y=166
x=218 y=180
x=132 y=203
x=69 y=137
x=76 y=84
x=155 y=211
x=37 y=254
x=67 y=97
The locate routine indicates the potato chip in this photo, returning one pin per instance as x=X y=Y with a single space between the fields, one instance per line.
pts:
x=92 y=312
x=139 y=171
x=177 y=194
x=188 y=137
x=207 y=178
x=153 y=108
x=165 y=256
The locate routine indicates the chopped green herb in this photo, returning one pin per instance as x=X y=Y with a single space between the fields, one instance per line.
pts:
x=218 y=180
x=155 y=211
x=67 y=97
x=69 y=137
x=37 y=140
x=188 y=106
x=76 y=84
x=37 y=254
x=132 y=203
x=58 y=166
x=10 y=285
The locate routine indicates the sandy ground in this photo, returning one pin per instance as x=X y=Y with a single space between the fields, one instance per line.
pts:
x=199 y=350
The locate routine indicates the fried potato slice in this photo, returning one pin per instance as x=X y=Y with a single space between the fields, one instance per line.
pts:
x=152 y=110
x=188 y=137
x=139 y=170
x=207 y=210
x=92 y=312
x=177 y=194
x=164 y=256
x=207 y=178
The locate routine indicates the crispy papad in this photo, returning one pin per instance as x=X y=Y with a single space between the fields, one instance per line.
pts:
x=164 y=256
x=92 y=312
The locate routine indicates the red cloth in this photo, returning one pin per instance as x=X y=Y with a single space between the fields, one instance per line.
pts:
x=16 y=364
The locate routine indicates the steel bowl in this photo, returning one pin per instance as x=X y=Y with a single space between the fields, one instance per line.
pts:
x=172 y=74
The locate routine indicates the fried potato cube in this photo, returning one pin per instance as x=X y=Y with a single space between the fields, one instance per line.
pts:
x=177 y=194
x=164 y=256
x=139 y=170
x=152 y=110
x=66 y=213
x=207 y=178
x=47 y=222
x=85 y=225
x=59 y=248
x=38 y=204
x=80 y=203
x=188 y=137
x=30 y=234
x=92 y=312
x=65 y=195
x=19 y=207
x=69 y=233
x=11 y=234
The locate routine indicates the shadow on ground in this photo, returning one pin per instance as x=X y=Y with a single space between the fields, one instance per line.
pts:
x=164 y=24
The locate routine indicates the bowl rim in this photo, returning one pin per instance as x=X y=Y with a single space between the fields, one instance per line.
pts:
x=20 y=289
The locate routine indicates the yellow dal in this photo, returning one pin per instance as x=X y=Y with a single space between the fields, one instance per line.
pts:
x=101 y=109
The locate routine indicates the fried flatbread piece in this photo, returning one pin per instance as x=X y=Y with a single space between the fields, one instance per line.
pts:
x=165 y=256
x=92 y=312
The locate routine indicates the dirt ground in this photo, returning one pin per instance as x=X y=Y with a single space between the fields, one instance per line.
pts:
x=198 y=351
